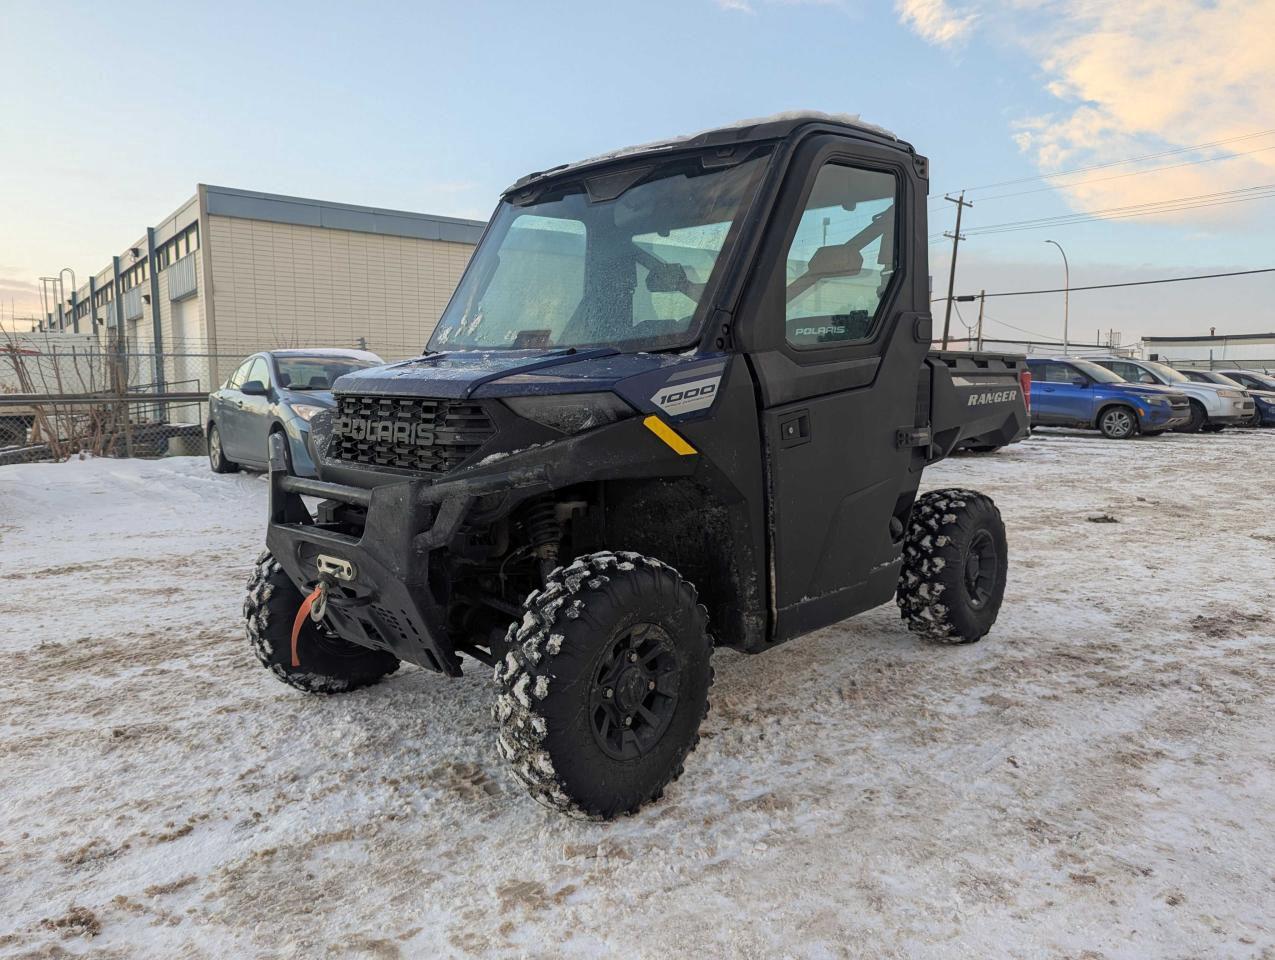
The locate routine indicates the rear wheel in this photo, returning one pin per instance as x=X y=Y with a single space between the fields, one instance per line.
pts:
x=216 y=455
x=1118 y=423
x=604 y=686
x=328 y=663
x=955 y=563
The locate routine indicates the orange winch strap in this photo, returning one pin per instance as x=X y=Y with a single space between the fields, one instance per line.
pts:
x=304 y=612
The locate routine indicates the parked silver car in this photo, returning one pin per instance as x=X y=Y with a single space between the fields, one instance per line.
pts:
x=276 y=391
x=1213 y=406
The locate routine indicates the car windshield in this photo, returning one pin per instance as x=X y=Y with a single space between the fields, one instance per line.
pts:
x=621 y=258
x=1260 y=380
x=1167 y=372
x=1100 y=374
x=315 y=373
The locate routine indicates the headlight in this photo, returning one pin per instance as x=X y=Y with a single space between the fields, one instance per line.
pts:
x=307 y=410
x=1231 y=394
x=571 y=412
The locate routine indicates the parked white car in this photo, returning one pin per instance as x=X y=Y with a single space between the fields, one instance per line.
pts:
x=1213 y=405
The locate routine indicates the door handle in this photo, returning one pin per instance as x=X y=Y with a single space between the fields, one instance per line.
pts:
x=794 y=429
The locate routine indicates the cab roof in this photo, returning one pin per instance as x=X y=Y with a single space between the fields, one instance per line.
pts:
x=775 y=127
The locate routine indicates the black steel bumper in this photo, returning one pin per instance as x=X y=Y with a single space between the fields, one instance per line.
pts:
x=388 y=601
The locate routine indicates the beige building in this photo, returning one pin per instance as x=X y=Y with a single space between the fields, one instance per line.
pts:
x=234 y=271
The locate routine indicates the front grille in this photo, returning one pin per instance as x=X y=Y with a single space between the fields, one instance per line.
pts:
x=406 y=433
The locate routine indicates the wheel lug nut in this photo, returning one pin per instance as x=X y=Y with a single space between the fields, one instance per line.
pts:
x=650 y=684
x=632 y=656
x=628 y=721
x=608 y=693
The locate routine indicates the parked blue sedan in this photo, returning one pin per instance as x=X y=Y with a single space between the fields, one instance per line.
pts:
x=1071 y=392
x=276 y=391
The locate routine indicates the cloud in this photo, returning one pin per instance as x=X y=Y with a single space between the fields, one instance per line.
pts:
x=934 y=21
x=1134 y=78
x=739 y=6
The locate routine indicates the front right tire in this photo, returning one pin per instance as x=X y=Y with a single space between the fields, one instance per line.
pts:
x=328 y=663
x=604 y=685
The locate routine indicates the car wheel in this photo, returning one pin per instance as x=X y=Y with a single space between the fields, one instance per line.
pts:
x=1199 y=417
x=216 y=455
x=1118 y=423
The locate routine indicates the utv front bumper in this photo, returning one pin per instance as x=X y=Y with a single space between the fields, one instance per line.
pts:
x=380 y=591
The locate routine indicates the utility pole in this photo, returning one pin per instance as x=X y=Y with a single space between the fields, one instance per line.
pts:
x=961 y=204
x=982 y=299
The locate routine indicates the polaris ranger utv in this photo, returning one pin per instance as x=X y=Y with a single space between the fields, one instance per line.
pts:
x=682 y=397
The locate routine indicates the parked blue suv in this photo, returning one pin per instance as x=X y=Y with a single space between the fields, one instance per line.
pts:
x=1071 y=392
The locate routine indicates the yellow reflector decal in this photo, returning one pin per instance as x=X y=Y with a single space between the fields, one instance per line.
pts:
x=668 y=435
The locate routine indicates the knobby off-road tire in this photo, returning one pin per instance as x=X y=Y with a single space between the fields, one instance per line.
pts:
x=612 y=637
x=217 y=454
x=954 y=566
x=328 y=663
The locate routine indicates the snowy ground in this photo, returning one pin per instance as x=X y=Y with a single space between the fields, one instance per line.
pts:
x=1093 y=780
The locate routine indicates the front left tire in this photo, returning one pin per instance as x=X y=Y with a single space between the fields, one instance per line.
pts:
x=1118 y=423
x=604 y=685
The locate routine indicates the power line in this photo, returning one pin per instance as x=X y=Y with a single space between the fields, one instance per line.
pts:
x=1117 y=163
x=1118 y=176
x=1128 y=283
x=1169 y=205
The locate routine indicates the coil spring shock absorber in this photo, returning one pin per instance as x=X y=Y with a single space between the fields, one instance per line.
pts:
x=545 y=533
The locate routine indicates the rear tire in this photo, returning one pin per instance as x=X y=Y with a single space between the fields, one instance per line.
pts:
x=1118 y=423
x=604 y=685
x=955 y=564
x=217 y=455
x=328 y=663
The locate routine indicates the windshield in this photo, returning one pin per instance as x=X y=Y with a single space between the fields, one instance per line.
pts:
x=1167 y=372
x=315 y=373
x=622 y=258
x=1095 y=372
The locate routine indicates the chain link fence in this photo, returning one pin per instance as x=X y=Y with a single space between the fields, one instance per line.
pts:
x=57 y=402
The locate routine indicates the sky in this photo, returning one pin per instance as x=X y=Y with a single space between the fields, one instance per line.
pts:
x=110 y=117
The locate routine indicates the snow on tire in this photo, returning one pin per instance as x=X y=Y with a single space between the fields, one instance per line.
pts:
x=955 y=563
x=328 y=663
x=604 y=685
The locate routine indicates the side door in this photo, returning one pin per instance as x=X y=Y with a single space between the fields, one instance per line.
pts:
x=227 y=412
x=1068 y=394
x=837 y=345
x=257 y=413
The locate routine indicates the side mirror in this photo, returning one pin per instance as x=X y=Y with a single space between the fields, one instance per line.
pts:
x=254 y=388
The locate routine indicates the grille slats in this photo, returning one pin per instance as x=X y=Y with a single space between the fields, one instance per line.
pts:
x=406 y=433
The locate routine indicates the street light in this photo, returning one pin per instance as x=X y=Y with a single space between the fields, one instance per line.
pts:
x=1066 y=290
x=72 y=273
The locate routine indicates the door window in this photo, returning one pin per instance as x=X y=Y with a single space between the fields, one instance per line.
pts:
x=260 y=371
x=240 y=375
x=841 y=260
x=1057 y=373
